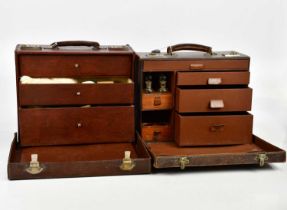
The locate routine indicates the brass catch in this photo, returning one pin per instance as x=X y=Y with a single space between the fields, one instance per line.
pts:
x=183 y=161
x=262 y=158
x=127 y=164
x=34 y=167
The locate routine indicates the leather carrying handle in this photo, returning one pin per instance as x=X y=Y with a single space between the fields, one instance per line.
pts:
x=188 y=46
x=95 y=45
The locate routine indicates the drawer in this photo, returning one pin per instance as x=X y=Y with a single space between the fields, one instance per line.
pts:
x=213 y=78
x=157 y=101
x=213 y=130
x=74 y=125
x=156 y=132
x=75 y=65
x=198 y=65
x=213 y=100
x=76 y=94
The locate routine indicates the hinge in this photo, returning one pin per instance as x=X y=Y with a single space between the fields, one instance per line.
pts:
x=262 y=158
x=34 y=166
x=183 y=161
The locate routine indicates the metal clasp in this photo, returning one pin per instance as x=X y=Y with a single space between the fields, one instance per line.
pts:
x=127 y=164
x=262 y=158
x=183 y=161
x=34 y=167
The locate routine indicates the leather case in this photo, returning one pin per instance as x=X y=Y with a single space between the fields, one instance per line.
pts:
x=76 y=113
x=204 y=121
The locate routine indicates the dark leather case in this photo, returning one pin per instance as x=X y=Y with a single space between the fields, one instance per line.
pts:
x=200 y=117
x=82 y=125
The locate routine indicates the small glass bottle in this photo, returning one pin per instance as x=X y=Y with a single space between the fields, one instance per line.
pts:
x=162 y=83
x=148 y=84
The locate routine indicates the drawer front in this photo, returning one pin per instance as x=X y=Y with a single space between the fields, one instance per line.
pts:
x=213 y=100
x=76 y=94
x=59 y=126
x=213 y=78
x=156 y=132
x=213 y=130
x=198 y=65
x=75 y=65
x=157 y=101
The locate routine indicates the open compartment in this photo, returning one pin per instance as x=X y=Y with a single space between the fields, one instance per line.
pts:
x=78 y=160
x=157 y=125
x=169 y=155
x=157 y=92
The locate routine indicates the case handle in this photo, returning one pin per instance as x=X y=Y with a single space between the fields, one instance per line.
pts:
x=189 y=46
x=95 y=45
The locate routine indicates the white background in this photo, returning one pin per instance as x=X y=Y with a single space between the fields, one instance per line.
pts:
x=257 y=28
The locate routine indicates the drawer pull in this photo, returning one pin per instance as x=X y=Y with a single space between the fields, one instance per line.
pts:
x=78 y=93
x=79 y=125
x=157 y=101
x=214 y=81
x=216 y=127
x=156 y=135
x=196 y=66
x=216 y=104
x=77 y=65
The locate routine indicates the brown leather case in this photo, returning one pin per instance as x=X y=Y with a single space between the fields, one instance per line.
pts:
x=75 y=112
x=208 y=109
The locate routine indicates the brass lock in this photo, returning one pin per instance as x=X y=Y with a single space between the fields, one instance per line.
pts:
x=127 y=164
x=262 y=158
x=183 y=161
x=34 y=167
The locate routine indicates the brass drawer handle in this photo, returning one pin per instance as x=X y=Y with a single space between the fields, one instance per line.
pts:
x=157 y=101
x=78 y=93
x=216 y=127
x=214 y=81
x=127 y=163
x=216 y=104
x=34 y=166
x=77 y=65
x=196 y=66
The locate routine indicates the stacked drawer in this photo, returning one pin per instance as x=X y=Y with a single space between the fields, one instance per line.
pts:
x=211 y=107
x=78 y=113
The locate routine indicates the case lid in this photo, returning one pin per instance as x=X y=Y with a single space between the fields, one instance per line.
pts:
x=73 y=47
x=190 y=51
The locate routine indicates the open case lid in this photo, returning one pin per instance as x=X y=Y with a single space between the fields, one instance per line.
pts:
x=77 y=160
x=169 y=155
